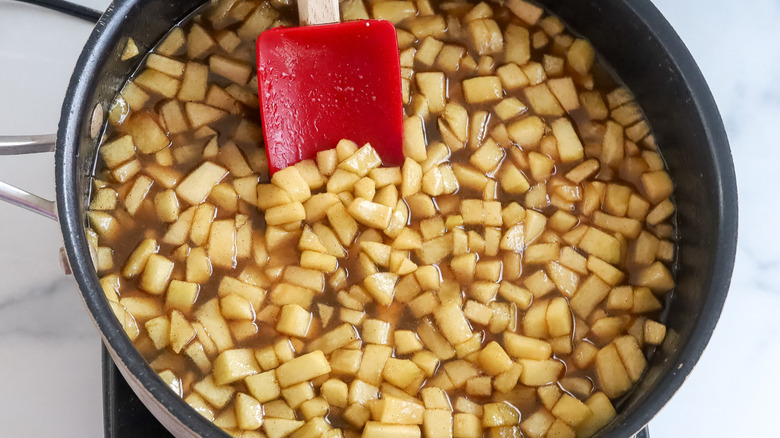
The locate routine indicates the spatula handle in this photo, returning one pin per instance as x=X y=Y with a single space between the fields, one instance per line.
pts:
x=311 y=12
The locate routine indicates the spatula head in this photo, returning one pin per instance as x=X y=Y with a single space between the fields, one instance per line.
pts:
x=320 y=84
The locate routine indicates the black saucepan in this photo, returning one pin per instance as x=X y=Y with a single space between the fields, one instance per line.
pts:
x=631 y=35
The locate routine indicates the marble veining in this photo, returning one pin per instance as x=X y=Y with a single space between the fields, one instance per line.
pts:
x=49 y=349
x=16 y=312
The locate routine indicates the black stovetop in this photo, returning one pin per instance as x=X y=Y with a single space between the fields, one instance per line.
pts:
x=124 y=415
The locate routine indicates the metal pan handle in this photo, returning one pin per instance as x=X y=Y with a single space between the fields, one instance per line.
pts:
x=18 y=145
x=17 y=196
x=644 y=433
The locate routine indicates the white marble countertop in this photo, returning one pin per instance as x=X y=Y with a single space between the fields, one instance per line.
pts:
x=50 y=366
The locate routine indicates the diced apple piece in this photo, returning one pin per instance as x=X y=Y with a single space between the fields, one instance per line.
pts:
x=370 y=213
x=494 y=360
x=499 y=414
x=540 y=372
x=414 y=142
x=453 y=323
x=407 y=342
x=601 y=245
x=581 y=56
x=571 y=410
x=195 y=188
x=527 y=11
x=234 y=365
x=632 y=356
x=249 y=412
x=157 y=272
x=435 y=342
x=527 y=132
x=210 y=316
x=432 y=85
x=159 y=330
x=559 y=318
x=194 y=81
x=487 y=157
x=645 y=301
x=334 y=339
x=373 y=363
x=286 y=213
x=486 y=36
x=381 y=430
x=264 y=386
x=394 y=11
x=137 y=193
x=603 y=412
x=294 y=320
x=130 y=51
x=401 y=372
x=569 y=145
x=517 y=44
x=482 y=89
x=612 y=373
x=200 y=406
x=146 y=133
x=200 y=114
x=437 y=423
x=428 y=50
x=157 y=82
x=280 y=427
x=537 y=424
x=466 y=425
x=138 y=259
x=233 y=70
x=217 y=395
x=302 y=368
x=381 y=286
x=222 y=243
x=523 y=347
x=654 y=332
x=658 y=185
x=393 y=410
x=543 y=101
x=516 y=294
x=657 y=277
x=163 y=64
x=564 y=90
x=509 y=108
x=118 y=151
x=376 y=332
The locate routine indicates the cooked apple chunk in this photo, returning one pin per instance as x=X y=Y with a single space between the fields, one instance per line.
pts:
x=157 y=82
x=118 y=151
x=233 y=365
x=482 y=89
x=453 y=323
x=294 y=320
x=302 y=368
x=156 y=274
x=195 y=188
x=146 y=133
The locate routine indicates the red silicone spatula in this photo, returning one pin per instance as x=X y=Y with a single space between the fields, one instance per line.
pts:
x=322 y=82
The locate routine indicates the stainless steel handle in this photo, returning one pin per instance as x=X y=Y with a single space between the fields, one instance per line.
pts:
x=30 y=144
x=19 y=145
